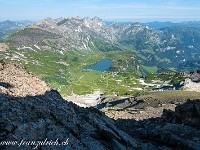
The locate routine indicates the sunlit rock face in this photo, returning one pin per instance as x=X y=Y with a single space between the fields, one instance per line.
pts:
x=15 y=81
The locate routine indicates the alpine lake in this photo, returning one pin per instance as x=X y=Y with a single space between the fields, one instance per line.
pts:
x=101 y=65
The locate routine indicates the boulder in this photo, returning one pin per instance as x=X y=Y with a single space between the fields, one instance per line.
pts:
x=188 y=113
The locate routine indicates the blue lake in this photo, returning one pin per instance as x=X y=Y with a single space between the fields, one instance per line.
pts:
x=101 y=65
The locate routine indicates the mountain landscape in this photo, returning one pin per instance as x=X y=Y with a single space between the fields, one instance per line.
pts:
x=32 y=111
x=139 y=84
x=68 y=45
x=91 y=34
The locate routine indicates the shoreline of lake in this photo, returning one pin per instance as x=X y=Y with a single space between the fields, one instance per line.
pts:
x=101 y=65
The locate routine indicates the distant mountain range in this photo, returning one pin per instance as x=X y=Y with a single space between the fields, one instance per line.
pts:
x=8 y=27
x=175 y=47
x=160 y=25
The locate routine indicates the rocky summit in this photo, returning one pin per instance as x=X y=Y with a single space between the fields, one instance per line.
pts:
x=32 y=113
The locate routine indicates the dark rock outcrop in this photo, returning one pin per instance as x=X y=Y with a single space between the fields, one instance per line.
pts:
x=35 y=118
x=188 y=113
x=176 y=130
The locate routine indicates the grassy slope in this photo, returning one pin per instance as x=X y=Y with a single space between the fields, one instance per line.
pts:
x=174 y=78
x=166 y=97
x=65 y=71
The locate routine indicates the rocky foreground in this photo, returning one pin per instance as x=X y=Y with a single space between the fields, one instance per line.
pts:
x=31 y=114
x=15 y=81
x=175 y=130
x=31 y=111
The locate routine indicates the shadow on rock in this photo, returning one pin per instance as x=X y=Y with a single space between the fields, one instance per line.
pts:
x=49 y=116
x=5 y=85
x=123 y=103
x=174 y=130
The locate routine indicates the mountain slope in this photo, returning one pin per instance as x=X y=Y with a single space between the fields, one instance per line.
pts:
x=52 y=123
x=170 y=48
x=44 y=114
x=8 y=27
x=66 y=34
x=58 y=50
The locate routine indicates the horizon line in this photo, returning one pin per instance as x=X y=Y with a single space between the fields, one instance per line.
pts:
x=118 y=19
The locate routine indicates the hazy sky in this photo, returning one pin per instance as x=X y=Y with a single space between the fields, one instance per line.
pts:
x=124 y=10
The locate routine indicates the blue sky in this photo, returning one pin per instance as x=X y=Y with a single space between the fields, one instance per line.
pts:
x=124 y=10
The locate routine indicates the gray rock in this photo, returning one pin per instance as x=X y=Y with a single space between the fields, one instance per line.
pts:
x=197 y=106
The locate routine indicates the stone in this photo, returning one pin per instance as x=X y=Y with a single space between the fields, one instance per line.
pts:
x=118 y=146
x=188 y=113
x=197 y=106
